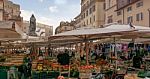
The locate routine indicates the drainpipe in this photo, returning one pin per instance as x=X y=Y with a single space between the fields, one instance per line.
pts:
x=149 y=16
x=3 y=9
x=123 y=17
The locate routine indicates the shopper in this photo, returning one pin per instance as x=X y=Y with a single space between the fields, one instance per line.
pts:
x=20 y=72
x=12 y=72
x=25 y=76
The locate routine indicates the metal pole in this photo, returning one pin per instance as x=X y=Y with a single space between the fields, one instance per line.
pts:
x=69 y=71
x=87 y=54
x=86 y=50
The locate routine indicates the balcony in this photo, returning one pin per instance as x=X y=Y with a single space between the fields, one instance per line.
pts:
x=16 y=18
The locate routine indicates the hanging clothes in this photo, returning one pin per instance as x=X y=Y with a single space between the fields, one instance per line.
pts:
x=131 y=45
x=103 y=49
x=125 y=47
x=112 y=47
x=148 y=48
x=118 y=47
x=107 y=48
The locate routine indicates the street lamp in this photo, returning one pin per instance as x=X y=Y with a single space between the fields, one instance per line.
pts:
x=149 y=16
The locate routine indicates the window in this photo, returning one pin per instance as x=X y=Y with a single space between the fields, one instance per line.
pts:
x=109 y=3
x=129 y=1
x=93 y=8
x=129 y=19
x=139 y=16
x=87 y=3
x=87 y=22
x=110 y=20
x=129 y=9
x=118 y=13
x=84 y=15
x=119 y=21
x=65 y=28
x=90 y=20
x=139 y=4
x=90 y=1
x=90 y=11
x=81 y=16
x=87 y=13
x=84 y=24
x=94 y=17
x=104 y=6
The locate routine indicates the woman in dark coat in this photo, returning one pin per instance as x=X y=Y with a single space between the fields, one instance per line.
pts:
x=29 y=69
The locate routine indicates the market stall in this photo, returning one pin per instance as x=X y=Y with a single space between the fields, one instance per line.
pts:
x=112 y=31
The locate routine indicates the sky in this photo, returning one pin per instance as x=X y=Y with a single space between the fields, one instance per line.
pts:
x=50 y=12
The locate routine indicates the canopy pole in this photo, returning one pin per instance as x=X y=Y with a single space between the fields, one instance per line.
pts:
x=46 y=51
x=116 y=56
x=87 y=53
x=86 y=50
x=33 y=49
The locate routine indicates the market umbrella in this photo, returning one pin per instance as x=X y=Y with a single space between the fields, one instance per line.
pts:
x=86 y=34
x=90 y=34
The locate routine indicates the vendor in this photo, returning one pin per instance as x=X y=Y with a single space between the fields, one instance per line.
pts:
x=137 y=61
x=103 y=56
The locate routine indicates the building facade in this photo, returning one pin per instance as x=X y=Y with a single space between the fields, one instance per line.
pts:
x=65 y=26
x=10 y=11
x=110 y=8
x=41 y=29
x=48 y=29
x=92 y=13
x=78 y=23
x=136 y=12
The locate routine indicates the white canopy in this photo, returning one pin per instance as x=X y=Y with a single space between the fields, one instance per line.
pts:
x=98 y=32
x=89 y=31
x=109 y=29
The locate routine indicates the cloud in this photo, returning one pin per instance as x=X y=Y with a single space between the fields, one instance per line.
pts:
x=53 y=9
x=41 y=0
x=60 y=2
x=26 y=14
x=44 y=20
x=41 y=19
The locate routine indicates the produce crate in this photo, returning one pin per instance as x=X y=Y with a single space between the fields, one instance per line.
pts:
x=3 y=74
x=45 y=74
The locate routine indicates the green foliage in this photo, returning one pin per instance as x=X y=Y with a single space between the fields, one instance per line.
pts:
x=141 y=74
x=74 y=74
x=2 y=58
